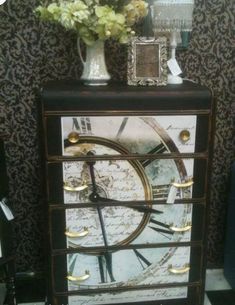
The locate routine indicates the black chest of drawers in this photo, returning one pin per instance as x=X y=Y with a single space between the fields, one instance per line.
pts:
x=126 y=173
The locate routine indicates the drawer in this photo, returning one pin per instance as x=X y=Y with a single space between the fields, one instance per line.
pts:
x=70 y=182
x=81 y=227
x=162 y=296
x=152 y=267
x=134 y=134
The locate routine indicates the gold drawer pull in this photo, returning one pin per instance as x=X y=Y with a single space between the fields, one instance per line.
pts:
x=78 y=188
x=184 y=135
x=73 y=137
x=182 y=270
x=81 y=278
x=182 y=229
x=77 y=234
x=184 y=184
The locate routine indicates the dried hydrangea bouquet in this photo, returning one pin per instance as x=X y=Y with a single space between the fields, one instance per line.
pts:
x=95 y=21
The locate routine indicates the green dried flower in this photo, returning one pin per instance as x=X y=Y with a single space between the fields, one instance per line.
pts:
x=96 y=19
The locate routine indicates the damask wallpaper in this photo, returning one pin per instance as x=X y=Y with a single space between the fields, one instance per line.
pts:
x=32 y=52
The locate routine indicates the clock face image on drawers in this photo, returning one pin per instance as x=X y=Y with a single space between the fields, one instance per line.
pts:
x=109 y=183
x=126 y=180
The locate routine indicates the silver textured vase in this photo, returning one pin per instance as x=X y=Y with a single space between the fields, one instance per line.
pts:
x=94 y=67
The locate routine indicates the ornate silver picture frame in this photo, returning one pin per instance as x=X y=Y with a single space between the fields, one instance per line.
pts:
x=147 y=61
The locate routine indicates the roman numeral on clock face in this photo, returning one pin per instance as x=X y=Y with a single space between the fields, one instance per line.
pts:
x=82 y=125
x=142 y=260
x=121 y=128
x=159 y=149
x=72 y=263
x=105 y=267
x=160 y=192
x=160 y=227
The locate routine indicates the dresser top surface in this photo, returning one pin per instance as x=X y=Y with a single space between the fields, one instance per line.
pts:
x=68 y=95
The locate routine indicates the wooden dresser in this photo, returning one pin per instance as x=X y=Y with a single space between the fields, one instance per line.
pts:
x=126 y=172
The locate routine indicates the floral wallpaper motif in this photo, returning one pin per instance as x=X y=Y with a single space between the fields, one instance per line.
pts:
x=33 y=52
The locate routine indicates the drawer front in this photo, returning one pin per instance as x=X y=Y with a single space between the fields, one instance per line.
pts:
x=128 y=179
x=162 y=296
x=129 y=267
x=88 y=272
x=141 y=134
x=146 y=134
x=82 y=227
x=174 y=296
x=70 y=182
x=177 y=223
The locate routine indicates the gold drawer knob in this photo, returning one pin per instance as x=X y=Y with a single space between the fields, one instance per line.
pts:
x=182 y=270
x=73 y=137
x=80 y=278
x=184 y=135
x=182 y=229
x=67 y=187
x=186 y=184
x=77 y=234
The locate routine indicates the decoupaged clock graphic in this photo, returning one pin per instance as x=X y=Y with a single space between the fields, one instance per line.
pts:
x=114 y=181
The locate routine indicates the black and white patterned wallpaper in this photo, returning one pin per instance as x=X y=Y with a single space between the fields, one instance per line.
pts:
x=33 y=52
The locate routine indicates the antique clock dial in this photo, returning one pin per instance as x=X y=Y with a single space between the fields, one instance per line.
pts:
x=106 y=181
x=113 y=181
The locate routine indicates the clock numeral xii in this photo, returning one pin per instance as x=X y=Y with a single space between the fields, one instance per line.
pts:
x=82 y=125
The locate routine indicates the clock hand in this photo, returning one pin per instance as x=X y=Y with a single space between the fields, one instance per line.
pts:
x=145 y=209
x=94 y=195
x=101 y=268
x=92 y=173
x=107 y=255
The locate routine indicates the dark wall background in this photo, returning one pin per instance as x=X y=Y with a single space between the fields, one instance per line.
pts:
x=32 y=53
